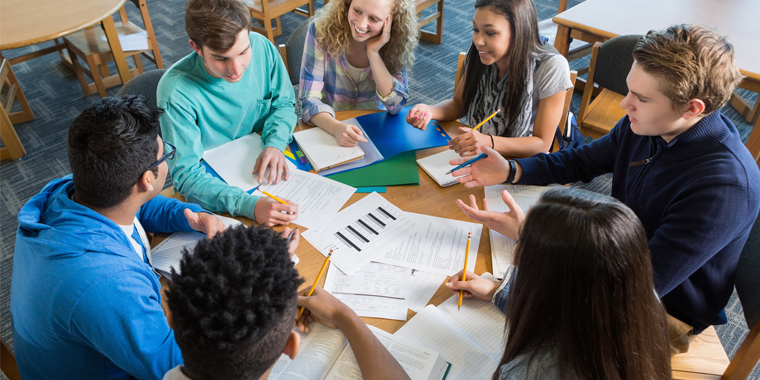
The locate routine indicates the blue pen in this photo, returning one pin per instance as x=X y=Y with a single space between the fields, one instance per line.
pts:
x=480 y=156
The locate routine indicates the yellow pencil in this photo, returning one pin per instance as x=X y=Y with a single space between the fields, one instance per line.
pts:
x=484 y=121
x=273 y=197
x=464 y=272
x=327 y=260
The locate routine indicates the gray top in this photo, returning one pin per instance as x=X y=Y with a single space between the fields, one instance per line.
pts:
x=542 y=365
x=551 y=74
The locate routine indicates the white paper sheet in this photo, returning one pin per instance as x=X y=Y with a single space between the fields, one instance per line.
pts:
x=470 y=339
x=234 y=161
x=318 y=198
x=134 y=41
x=422 y=288
x=361 y=232
x=436 y=245
x=376 y=290
x=502 y=246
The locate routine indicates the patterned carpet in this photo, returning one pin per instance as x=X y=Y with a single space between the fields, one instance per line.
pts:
x=56 y=99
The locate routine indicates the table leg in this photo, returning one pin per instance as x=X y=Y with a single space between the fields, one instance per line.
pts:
x=562 y=40
x=118 y=54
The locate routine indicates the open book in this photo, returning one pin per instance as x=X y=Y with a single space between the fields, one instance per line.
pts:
x=326 y=354
x=470 y=338
x=437 y=165
x=323 y=151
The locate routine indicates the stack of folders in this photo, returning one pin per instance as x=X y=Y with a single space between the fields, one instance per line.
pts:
x=437 y=165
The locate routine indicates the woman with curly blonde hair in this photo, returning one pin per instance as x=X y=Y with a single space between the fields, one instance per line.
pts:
x=356 y=56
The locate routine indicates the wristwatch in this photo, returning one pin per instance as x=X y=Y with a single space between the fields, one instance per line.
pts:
x=512 y=171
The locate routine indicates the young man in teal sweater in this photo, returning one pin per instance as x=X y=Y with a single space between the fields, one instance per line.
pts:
x=232 y=85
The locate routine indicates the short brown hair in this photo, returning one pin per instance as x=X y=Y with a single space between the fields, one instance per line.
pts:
x=216 y=23
x=693 y=62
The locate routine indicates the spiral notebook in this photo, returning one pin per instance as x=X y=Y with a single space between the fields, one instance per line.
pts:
x=437 y=165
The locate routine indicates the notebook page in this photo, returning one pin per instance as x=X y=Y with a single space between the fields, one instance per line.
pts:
x=434 y=329
x=323 y=150
x=502 y=246
x=437 y=165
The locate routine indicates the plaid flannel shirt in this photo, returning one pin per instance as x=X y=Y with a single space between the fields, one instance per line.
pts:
x=325 y=85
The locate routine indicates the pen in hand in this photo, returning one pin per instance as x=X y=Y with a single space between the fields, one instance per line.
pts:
x=478 y=157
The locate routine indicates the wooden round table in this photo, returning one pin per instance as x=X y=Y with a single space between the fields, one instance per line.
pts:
x=29 y=22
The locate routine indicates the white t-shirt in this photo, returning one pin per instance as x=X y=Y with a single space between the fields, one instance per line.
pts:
x=354 y=72
x=143 y=236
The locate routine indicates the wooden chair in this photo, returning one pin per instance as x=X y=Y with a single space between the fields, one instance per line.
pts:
x=548 y=29
x=8 y=362
x=91 y=46
x=421 y=5
x=267 y=10
x=707 y=356
x=565 y=113
x=13 y=148
x=610 y=63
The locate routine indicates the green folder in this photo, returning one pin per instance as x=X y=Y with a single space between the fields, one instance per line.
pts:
x=400 y=169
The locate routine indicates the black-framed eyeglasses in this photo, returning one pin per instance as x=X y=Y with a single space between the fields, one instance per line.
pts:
x=169 y=151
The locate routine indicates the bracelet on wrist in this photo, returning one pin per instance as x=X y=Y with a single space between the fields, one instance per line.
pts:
x=493 y=146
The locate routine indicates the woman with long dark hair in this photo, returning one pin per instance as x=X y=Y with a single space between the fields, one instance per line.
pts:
x=580 y=301
x=508 y=68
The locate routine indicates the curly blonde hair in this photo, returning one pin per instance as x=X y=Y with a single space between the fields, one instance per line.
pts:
x=334 y=33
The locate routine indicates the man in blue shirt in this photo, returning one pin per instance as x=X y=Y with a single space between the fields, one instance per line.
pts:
x=85 y=300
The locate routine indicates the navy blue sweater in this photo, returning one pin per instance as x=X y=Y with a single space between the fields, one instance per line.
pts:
x=697 y=197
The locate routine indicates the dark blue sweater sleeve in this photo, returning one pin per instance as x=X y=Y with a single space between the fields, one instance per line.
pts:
x=571 y=165
x=162 y=214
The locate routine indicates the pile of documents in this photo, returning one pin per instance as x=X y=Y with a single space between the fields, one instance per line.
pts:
x=385 y=260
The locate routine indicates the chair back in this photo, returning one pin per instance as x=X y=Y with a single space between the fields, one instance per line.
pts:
x=294 y=48
x=614 y=61
x=144 y=84
x=748 y=277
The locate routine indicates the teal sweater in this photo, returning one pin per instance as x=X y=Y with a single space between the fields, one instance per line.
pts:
x=203 y=112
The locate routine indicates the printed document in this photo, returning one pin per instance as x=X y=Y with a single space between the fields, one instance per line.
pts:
x=376 y=290
x=435 y=245
x=361 y=232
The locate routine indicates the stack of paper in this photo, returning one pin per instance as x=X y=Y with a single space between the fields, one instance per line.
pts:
x=502 y=246
x=471 y=339
x=386 y=261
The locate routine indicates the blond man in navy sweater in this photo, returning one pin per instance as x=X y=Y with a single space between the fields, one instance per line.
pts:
x=677 y=162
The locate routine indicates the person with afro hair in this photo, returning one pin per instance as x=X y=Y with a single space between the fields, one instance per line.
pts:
x=234 y=303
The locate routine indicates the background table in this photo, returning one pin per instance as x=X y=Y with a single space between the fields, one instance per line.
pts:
x=599 y=20
x=29 y=22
